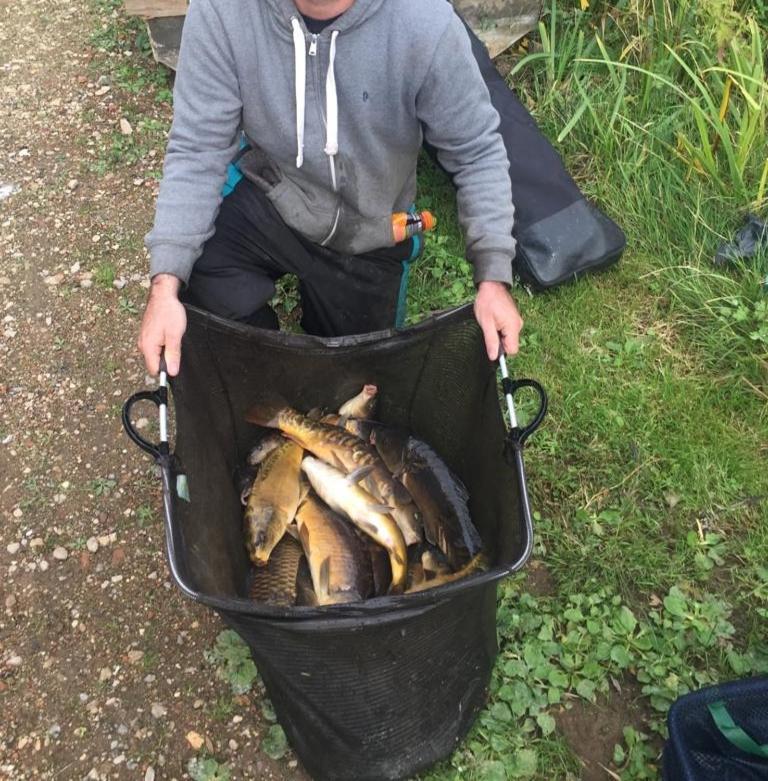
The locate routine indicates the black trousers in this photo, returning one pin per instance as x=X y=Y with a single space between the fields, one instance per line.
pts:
x=252 y=248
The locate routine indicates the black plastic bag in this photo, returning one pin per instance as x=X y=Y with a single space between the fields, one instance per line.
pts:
x=560 y=235
x=749 y=240
x=719 y=734
x=380 y=689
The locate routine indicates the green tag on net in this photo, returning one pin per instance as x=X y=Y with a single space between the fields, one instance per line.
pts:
x=734 y=734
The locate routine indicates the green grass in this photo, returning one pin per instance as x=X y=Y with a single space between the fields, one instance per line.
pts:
x=649 y=477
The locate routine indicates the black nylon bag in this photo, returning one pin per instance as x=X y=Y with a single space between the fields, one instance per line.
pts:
x=698 y=749
x=378 y=690
x=560 y=235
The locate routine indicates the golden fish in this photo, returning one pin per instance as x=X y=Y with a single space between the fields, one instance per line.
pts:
x=362 y=405
x=344 y=496
x=264 y=447
x=337 y=559
x=440 y=496
x=350 y=454
x=273 y=501
x=275 y=583
x=478 y=564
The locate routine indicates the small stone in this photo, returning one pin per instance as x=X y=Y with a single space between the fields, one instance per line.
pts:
x=135 y=656
x=72 y=185
x=13 y=548
x=36 y=542
x=119 y=283
x=157 y=710
x=74 y=269
x=10 y=601
x=54 y=280
x=59 y=498
x=86 y=283
x=197 y=704
x=105 y=674
x=102 y=91
x=43 y=565
x=125 y=127
x=119 y=759
x=103 y=540
x=142 y=423
x=92 y=544
x=233 y=745
x=14 y=661
x=150 y=774
x=293 y=764
x=54 y=731
x=195 y=740
x=18 y=512
x=60 y=553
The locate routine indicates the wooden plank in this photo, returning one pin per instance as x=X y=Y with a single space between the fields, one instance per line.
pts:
x=499 y=23
x=153 y=9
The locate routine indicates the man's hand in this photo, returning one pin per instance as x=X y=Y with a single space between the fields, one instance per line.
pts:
x=496 y=312
x=163 y=325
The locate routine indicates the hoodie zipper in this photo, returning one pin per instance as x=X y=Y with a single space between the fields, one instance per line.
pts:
x=313 y=53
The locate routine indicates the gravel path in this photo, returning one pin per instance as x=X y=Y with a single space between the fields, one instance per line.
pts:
x=102 y=673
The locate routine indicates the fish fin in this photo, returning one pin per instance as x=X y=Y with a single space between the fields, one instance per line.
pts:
x=304 y=487
x=293 y=530
x=264 y=414
x=380 y=508
x=356 y=475
x=324 y=577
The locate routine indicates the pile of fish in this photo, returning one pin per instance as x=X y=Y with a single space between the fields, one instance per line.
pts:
x=343 y=508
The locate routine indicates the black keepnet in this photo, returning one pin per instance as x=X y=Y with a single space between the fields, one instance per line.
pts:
x=384 y=688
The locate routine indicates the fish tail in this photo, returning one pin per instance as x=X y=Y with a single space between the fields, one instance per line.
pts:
x=265 y=414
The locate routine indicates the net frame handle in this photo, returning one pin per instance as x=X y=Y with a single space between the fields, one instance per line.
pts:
x=517 y=434
x=159 y=398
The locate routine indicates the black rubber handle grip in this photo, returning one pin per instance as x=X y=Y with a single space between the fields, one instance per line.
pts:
x=157 y=397
x=520 y=434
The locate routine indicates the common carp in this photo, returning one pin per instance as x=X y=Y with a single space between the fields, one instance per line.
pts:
x=350 y=454
x=362 y=405
x=440 y=496
x=344 y=496
x=337 y=557
x=273 y=501
x=264 y=447
x=275 y=583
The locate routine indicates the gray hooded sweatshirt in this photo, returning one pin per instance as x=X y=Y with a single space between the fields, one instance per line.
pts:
x=336 y=122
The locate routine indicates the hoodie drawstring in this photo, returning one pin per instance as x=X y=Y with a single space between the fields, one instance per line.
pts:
x=299 y=51
x=332 y=111
x=331 y=98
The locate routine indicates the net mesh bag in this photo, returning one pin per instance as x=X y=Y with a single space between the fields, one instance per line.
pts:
x=719 y=734
x=379 y=689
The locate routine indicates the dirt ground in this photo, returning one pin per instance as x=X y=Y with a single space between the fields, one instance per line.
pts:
x=102 y=673
x=102 y=668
